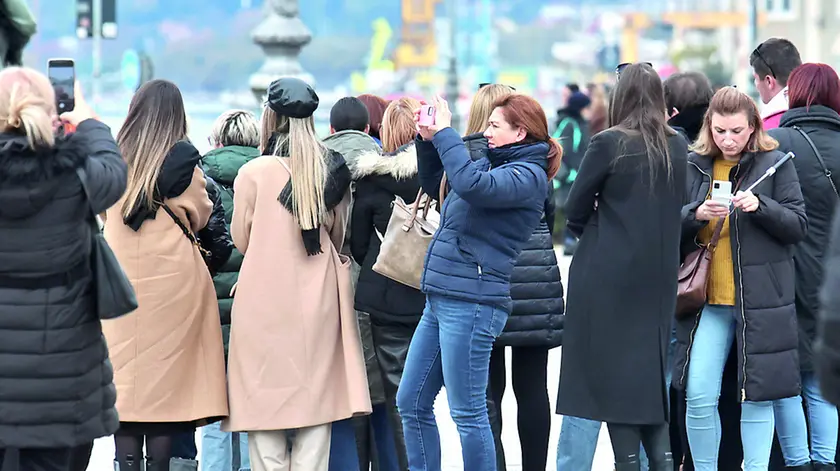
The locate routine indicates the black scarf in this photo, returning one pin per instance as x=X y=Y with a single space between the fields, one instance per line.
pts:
x=175 y=177
x=690 y=121
x=335 y=188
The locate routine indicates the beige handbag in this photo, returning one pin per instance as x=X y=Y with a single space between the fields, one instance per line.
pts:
x=406 y=241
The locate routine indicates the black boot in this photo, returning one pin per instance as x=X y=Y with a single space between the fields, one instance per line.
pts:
x=629 y=463
x=180 y=464
x=128 y=464
x=664 y=463
x=802 y=467
x=824 y=467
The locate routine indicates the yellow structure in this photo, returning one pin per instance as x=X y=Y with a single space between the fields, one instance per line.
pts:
x=635 y=23
x=417 y=48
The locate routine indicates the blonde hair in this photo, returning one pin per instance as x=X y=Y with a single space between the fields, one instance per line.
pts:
x=236 y=128
x=398 y=128
x=27 y=105
x=156 y=121
x=726 y=102
x=483 y=104
x=308 y=161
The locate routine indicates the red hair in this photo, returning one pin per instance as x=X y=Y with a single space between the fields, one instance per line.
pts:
x=376 y=109
x=814 y=84
x=522 y=111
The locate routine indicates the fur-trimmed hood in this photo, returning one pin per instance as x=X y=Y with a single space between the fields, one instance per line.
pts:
x=29 y=178
x=400 y=164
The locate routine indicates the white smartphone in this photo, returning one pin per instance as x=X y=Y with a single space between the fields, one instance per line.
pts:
x=722 y=192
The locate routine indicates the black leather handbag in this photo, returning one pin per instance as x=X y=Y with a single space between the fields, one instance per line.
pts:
x=113 y=293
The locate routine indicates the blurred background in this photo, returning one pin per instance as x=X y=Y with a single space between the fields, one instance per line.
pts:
x=221 y=52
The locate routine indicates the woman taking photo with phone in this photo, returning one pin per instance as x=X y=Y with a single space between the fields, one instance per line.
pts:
x=494 y=205
x=750 y=290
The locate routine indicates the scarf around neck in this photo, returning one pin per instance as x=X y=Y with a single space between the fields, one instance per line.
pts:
x=335 y=188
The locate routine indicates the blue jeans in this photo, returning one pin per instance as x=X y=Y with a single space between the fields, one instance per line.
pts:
x=344 y=451
x=217 y=449
x=577 y=444
x=712 y=340
x=793 y=431
x=451 y=346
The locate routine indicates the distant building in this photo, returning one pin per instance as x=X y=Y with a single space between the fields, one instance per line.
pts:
x=812 y=25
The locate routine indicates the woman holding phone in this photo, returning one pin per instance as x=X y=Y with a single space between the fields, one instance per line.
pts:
x=750 y=292
x=494 y=205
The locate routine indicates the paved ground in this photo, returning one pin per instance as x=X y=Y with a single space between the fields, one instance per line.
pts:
x=103 y=452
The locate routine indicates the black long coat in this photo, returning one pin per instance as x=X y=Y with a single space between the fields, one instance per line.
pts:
x=622 y=282
x=56 y=382
x=823 y=127
x=762 y=246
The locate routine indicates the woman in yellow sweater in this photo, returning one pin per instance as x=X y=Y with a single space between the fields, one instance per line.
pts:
x=751 y=285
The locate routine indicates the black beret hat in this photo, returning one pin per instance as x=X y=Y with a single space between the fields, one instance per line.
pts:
x=292 y=97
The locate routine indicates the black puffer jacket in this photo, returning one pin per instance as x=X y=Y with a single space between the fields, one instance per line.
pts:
x=822 y=125
x=535 y=286
x=379 y=179
x=762 y=245
x=827 y=346
x=215 y=237
x=56 y=382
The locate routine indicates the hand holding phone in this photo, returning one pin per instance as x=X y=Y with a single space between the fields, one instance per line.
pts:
x=62 y=75
x=427 y=115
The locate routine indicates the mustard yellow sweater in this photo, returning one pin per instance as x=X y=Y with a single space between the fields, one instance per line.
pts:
x=721 y=287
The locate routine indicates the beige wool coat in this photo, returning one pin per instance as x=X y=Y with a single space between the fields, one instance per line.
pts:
x=295 y=355
x=168 y=357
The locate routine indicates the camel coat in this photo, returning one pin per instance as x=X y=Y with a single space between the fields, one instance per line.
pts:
x=295 y=354
x=167 y=355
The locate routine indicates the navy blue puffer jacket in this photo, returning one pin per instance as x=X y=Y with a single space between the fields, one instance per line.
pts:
x=486 y=220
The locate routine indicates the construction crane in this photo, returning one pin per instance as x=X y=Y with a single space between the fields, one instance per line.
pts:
x=635 y=23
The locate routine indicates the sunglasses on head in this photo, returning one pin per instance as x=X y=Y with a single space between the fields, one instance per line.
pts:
x=757 y=52
x=482 y=85
x=620 y=68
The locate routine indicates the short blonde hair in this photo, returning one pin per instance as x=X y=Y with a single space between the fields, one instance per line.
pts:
x=236 y=128
x=483 y=104
x=727 y=102
x=27 y=105
x=398 y=128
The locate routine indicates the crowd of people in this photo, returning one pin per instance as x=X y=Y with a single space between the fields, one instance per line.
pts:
x=303 y=300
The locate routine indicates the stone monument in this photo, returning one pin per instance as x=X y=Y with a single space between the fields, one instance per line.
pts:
x=281 y=35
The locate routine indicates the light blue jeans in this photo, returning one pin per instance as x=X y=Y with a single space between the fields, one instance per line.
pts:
x=793 y=430
x=217 y=450
x=713 y=338
x=451 y=347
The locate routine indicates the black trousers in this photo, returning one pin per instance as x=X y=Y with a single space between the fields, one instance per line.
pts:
x=627 y=438
x=731 y=453
x=529 y=369
x=38 y=459
x=391 y=341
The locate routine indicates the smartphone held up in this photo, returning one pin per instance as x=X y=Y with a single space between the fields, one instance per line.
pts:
x=62 y=75
x=427 y=115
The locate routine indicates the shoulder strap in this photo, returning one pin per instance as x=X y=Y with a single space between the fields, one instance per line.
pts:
x=819 y=158
x=576 y=133
x=187 y=232
x=96 y=220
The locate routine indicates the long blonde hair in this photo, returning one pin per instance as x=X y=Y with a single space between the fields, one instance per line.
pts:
x=27 y=104
x=483 y=104
x=297 y=140
x=398 y=128
x=156 y=121
x=726 y=102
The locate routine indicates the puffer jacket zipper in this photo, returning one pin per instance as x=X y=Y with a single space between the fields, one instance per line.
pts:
x=697 y=316
x=741 y=303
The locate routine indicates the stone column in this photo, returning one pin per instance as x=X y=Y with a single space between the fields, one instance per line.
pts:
x=281 y=35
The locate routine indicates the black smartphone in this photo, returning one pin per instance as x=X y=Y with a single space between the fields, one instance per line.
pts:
x=62 y=74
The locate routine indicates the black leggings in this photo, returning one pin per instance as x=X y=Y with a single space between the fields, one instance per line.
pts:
x=130 y=448
x=626 y=439
x=530 y=369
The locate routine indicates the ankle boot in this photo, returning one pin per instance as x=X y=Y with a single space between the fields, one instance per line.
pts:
x=664 y=463
x=129 y=464
x=180 y=464
x=824 y=467
x=802 y=467
x=629 y=463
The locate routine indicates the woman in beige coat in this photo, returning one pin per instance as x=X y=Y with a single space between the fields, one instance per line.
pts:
x=168 y=358
x=295 y=357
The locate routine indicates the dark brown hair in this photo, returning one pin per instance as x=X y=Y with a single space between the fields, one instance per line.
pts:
x=522 y=111
x=376 y=109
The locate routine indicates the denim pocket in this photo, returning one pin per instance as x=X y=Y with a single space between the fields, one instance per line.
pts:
x=498 y=319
